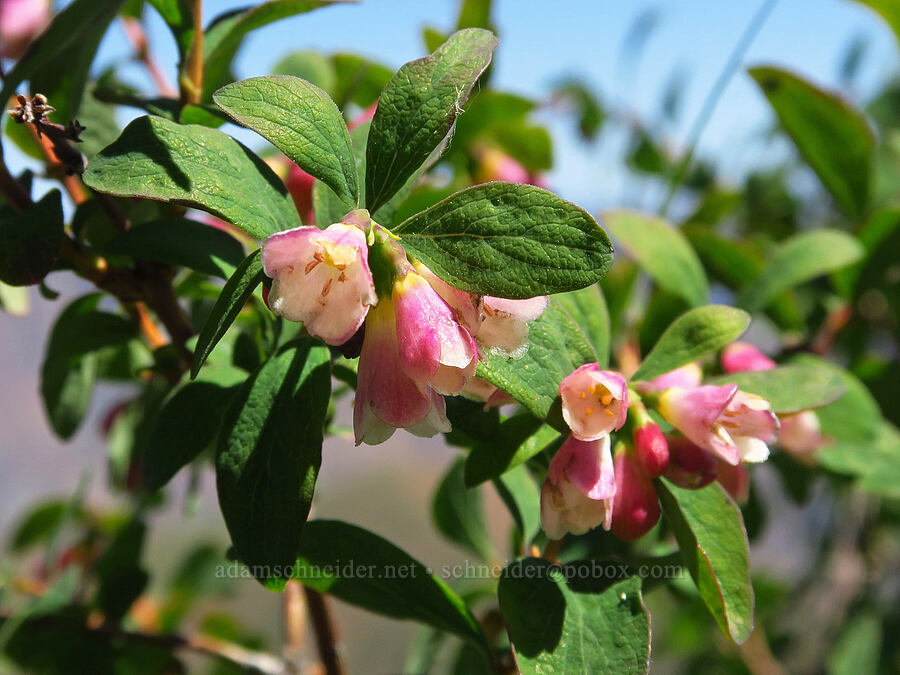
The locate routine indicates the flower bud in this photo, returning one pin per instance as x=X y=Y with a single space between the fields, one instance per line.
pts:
x=635 y=506
x=651 y=450
x=800 y=433
x=739 y=357
x=20 y=22
x=594 y=401
x=690 y=466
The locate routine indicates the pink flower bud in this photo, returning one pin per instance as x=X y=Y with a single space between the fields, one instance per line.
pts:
x=689 y=465
x=651 y=450
x=734 y=425
x=20 y=22
x=594 y=401
x=687 y=377
x=635 y=506
x=386 y=397
x=735 y=480
x=322 y=278
x=299 y=185
x=434 y=349
x=801 y=432
x=577 y=494
x=739 y=357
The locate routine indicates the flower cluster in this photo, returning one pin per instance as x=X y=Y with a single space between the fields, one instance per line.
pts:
x=716 y=429
x=421 y=337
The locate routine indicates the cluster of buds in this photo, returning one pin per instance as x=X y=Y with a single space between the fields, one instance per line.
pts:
x=716 y=429
x=420 y=338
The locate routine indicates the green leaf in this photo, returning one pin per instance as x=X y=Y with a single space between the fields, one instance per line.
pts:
x=417 y=110
x=694 y=334
x=224 y=35
x=832 y=136
x=179 y=241
x=198 y=167
x=180 y=19
x=358 y=80
x=798 y=259
x=458 y=513
x=585 y=626
x=790 y=389
x=269 y=455
x=518 y=439
x=522 y=497
x=889 y=11
x=663 y=251
x=858 y=648
x=302 y=121
x=231 y=301
x=121 y=578
x=70 y=363
x=713 y=542
x=557 y=346
x=362 y=569
x=77 y=30
x=587 y=307
x=311 y=66
x=30 y=241
x=509 y=240
x=327 y=206
x=187 y=424
x=39 y=524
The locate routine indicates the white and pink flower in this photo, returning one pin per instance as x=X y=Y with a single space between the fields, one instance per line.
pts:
x=594 y=401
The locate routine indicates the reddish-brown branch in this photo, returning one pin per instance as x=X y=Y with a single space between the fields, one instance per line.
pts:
x=325 y=631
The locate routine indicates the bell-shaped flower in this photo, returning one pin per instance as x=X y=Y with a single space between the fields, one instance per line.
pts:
x=577 y=494
x=594 y=401
x=20 y=23
x=635 y=506
x=386 y=397
x=434 y=348
x=690 y=466
x=731 y=424
x=801 y=432
x=687 y=376
x=739 y=357
x=322 y=278
x=735 y=480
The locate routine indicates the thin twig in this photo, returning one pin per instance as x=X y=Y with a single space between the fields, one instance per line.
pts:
x=294 y=623
x=194 y=93
x=325 y=631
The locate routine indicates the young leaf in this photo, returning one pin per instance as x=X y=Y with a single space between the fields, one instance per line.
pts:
x=183 y=242
x=30 y=241
x=234 y=295
x=557 y=347
x=417 y=110
x=692 y=335
x=198 y=167
x=269 y=455
x=798 y=259
x=509 y=240
x=790 y=389
x=459 y=513
x=70 y=364
x=584 y=626
x=302 y=121
x=713 y=542
x=187 y=424
x=362 y=569
x=832 y=136
x=663 y=251
x=224 y=35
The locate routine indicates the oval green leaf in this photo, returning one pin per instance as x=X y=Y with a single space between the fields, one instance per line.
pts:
x=790 y=389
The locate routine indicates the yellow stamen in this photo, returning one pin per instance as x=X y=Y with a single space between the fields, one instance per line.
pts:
x=588 y=411
x=606 y=399
x=609 y=413
x=582 y=396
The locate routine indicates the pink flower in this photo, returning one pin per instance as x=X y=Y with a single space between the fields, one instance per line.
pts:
x=688 y=377
x=494 y=164
x=732 y=424
x=594 y=401
x=739 y=357
x=386 y=397
x=577 y=494
x=735 y=480
x=322 y=278
x=434 y=348
x=689 y=465
x=635 y=506
x=20 y=22
x=651 y=449
x=499 y=325
x=801 y=432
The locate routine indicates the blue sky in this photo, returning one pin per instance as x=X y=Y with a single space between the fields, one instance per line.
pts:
x=541 y=41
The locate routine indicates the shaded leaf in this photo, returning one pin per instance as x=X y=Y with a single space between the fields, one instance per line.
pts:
x=458 y=512
x=30 y=240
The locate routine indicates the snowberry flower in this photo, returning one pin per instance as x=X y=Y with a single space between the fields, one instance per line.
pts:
x=321 y=277
x=739 y=357
x=732 y=424
x=494 y=164
x=577 y=494
x=801 y=432
x=499 y=325
x=690 y=466
x=483 y=390
x=386 y=396
x=635 y=506
x=688 y=376
x=594 y=401
x=650 y=448
x=434 y=348
x=20 y=23
x=735 y=480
